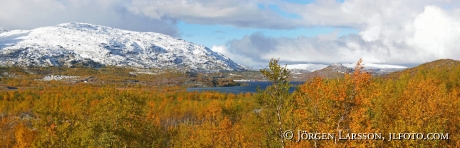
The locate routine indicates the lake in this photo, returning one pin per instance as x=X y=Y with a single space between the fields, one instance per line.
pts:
x=251 y=88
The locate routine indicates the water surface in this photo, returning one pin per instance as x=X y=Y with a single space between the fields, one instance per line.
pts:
x=252 y=88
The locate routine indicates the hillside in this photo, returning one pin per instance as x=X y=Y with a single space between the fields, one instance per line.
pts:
x=331 y=71
x=91 y=45
x=302 y=72
x=119 y=107
x=438 y=65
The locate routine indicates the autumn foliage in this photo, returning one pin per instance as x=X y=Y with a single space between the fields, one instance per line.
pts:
x=58 y=114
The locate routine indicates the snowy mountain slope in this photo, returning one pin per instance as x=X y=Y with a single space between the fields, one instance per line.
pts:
x=307 y=67
x=3 y=30
x=313 y=67
x=93 y=45
x=325 y=70
x=338 y=70
x=375 y=66
x=378 y=69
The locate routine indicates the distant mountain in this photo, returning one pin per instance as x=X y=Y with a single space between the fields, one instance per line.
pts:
x=335 y=70
x=378 y=69
x=331 y=71
x=375 y=66
x=306 y=67
x=441 y=64
x=3 y=30
x=387 y=71
x=338 y=70
x=91 y=45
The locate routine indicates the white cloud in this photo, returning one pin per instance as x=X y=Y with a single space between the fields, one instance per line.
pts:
x=239 y=13
x=221 y=49
x=27 y=14
x=391 y=32
x=437 y=33
x=244 y=59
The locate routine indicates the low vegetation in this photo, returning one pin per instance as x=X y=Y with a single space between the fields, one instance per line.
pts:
x=113 y=111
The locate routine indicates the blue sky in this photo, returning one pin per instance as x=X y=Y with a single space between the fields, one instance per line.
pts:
x=251 y=32
x=210 y=35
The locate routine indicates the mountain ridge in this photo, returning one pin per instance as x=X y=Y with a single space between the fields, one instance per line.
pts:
x=3 y=29
x=440 y=64
x=71 y=44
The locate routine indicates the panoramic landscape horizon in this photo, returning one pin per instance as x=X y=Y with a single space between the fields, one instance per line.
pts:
x=229 y=73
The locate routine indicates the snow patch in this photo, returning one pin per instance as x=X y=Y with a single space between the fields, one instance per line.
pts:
x=309 y=67
x=375 y=66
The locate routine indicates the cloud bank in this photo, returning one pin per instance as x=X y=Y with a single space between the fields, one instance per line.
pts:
x=29 y=14
x=141 y=15
x=238 y=13
x=390 y=32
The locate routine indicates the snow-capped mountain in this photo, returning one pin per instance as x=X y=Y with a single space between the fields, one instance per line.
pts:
x=367 y=66
x=375 y=66
x=376 y=69
x=3 y=30
x=307 y=67
x=94 y=45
